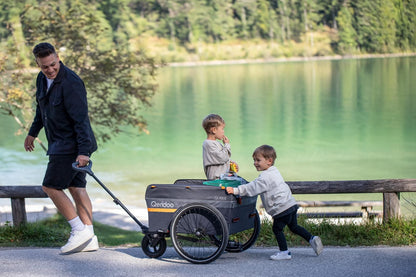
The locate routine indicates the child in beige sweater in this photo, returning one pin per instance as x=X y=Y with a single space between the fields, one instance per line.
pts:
x=216 y=155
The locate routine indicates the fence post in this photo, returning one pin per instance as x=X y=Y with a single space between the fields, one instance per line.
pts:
x=391 y=205
x=18 y=211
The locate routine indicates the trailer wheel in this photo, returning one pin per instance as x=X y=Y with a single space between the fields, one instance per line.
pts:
x=199 y=233
x=245 y=239
x=153 y=247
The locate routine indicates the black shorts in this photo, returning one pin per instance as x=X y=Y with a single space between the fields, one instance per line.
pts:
x=60 y=175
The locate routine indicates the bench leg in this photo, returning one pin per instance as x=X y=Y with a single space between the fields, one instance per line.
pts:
x=18 y=211
x=365 y=212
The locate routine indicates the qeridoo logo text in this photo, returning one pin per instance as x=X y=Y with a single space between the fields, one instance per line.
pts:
x=162 y=204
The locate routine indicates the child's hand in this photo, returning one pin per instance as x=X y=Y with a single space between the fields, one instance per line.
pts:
x=225 y=139
x=230 y=190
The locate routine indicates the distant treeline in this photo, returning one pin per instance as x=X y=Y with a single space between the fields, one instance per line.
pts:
x=363 y=26
x=350 y=26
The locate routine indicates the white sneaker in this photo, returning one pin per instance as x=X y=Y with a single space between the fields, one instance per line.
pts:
x=77 y=241
x=316 y=244
x=282 y=255
x=92 y=245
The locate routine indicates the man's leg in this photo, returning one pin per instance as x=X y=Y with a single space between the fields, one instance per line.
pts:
x=81 y=235
x=59 y=175
x=62 y=202
x=84 y=209
x=83 y=204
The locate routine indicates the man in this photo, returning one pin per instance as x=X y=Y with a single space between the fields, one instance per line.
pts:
x=62 y=111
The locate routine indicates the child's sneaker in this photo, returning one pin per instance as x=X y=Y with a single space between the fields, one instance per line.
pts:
x=92 y=245
x=281 y=255
x=316 y=244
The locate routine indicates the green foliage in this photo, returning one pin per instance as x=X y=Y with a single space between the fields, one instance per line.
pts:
x=374 y=26
x=375 y=22
x=329 y=10
x=16 y=81
x=263 y=17
x=347 y=35
x=406 y=24
x=120 y=80
x=51 y=232
x=123 y=21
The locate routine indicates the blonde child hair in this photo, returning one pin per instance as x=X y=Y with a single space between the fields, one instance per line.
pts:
x=211 y=121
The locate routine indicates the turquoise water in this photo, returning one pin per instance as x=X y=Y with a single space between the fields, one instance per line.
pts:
x=328 y=120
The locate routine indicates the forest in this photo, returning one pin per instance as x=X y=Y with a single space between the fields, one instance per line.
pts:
x=117 y=46
x=289 y=27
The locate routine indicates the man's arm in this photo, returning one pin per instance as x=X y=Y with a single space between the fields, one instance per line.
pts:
x=77 y=108
x=34 y=130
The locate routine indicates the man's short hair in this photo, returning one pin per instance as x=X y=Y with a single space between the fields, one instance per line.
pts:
x=210 y=121
x=43 y=49
x=266 y=151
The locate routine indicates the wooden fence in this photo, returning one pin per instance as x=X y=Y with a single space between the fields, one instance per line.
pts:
x=18 y=194
x=390 y=188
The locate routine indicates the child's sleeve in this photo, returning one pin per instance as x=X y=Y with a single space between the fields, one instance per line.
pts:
x=255 y=187
x=215 y=153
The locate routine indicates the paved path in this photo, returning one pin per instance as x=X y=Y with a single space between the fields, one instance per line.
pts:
x=334 y=261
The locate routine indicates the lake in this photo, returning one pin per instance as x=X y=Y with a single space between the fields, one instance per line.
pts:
x=328 y=120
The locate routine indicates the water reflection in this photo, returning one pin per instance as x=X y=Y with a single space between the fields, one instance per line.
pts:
x=348 y=119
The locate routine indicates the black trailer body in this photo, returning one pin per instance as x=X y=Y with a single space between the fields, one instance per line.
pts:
x=198 y=218
x=164 y=200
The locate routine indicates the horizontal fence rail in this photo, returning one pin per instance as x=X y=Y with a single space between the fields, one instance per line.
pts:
x=356 y=186
x=390 y=188
x=22 y=192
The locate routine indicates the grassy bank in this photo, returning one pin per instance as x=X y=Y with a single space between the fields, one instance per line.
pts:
x=237 y=49
x=54 y=232
x=243 y=51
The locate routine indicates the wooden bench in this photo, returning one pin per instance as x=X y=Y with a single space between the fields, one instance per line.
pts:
x=365 y=206
x=18 y=194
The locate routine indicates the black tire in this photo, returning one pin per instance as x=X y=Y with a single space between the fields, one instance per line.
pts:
x=199 y=233
x=155 y=251
x=245 y=239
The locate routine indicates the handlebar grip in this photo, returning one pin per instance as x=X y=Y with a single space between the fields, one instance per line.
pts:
x=86 y=168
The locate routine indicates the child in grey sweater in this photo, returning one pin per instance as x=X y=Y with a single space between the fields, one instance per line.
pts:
x=215 y=155
x=277 y=200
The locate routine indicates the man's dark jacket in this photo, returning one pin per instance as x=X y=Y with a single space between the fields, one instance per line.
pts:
x=63 y=112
